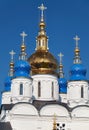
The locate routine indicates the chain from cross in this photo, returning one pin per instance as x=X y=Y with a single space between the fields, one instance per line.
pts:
x=12 y=53
x=76 y=39
x=42 y=8
x=23 y=35
x=60 y=57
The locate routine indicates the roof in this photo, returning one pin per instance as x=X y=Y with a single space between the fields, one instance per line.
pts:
x=5 y=126
x=39 y=104
x=7 y=106
x=77 y=72
x=22 y=68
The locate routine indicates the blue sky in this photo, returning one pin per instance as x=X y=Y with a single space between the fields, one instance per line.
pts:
x=64 y=19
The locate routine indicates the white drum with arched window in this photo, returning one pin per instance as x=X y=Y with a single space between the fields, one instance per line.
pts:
x=45 y=87
x=21 y=89
x=78 y=93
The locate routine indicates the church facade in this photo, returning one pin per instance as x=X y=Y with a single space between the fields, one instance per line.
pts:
x=37 y=95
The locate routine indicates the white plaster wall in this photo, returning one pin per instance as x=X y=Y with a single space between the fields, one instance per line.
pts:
x=6 y=97
x=63 y=97
x=51 y=110
x=27 y=89
x=74 y=93
x=81 y=111
x=46 y=87
x=20 y=122
x=24 y=109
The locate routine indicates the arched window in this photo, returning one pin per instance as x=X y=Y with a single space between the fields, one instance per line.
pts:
x=52 y=89
x=82 y=92
x=39 y=89
x=21 y=89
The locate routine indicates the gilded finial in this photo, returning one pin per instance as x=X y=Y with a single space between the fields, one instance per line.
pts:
x=61 y=74
x=77 y=56
x=54 y=123
x=42 y=8
x=76 y=39
x=42 y=39
x=23 y=47
x=23 y=35
x=60 y=57
x=12 y=53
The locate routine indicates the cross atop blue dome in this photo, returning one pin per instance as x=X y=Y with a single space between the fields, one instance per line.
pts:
x=78 y=71
x=62 y=80
x=11 y=73
x=22 y=67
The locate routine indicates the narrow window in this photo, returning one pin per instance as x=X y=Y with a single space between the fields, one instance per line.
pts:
x=21 y=89
x=52 y=89
x=39 y=89
x=82 y=92
x=43 y=43
x=39 y=43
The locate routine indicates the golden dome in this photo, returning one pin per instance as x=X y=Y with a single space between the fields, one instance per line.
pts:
x=43 y=62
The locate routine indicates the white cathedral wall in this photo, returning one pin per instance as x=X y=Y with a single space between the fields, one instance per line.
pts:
x=81 y=111
x=74 y=93
x=54 y=109
x=24 y=109
x=27 y=89
x=6 y=97
x=25 y=116
x=47 y=92
x=22 y=122
x=63 y=97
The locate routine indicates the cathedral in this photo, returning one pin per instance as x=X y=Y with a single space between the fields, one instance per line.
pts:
x=37 y=96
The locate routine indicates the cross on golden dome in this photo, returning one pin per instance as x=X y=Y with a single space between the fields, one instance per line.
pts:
x=23 y=34
x=42 y=8
x=76 y=39
x=60 y=57
x=12 y=53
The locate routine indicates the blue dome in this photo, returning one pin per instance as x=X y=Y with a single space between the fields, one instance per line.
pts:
x=22 y=68
x=8 y=84
x=78 y=72
x=62 y=85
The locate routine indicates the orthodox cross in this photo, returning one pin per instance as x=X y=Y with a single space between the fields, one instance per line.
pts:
x=42 y=8
x=76 y=39
x=23 y=34
x=60 y=57
x=12 y=53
